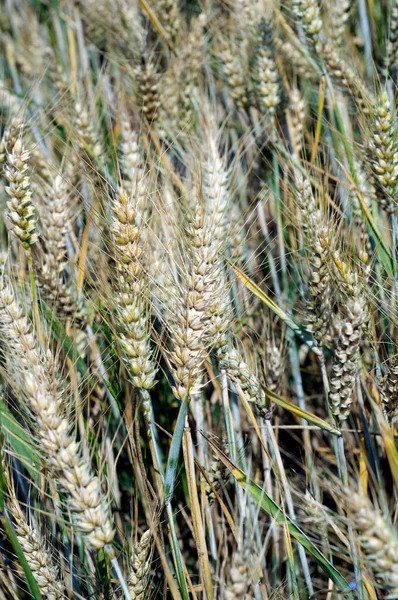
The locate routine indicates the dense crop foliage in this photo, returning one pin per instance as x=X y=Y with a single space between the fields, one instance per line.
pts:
x=198 y=299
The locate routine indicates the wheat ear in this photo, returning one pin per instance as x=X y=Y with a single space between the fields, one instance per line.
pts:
x=62 y=453
x=347 y=339
x=377 y=539
x=383 y=154
x=132 y=309
x=21 y=211
x=34 y=546
x=308 y=15
x=140 y=566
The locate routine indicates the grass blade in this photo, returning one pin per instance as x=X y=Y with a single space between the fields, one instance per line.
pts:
x=20 y=442
x=253 y=287
x=174 y=453
x=300 y=412
x=274 y=511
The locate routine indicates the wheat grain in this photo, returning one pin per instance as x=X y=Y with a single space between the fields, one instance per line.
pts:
x=266 y=72
x=318 y=237
x=234 y=75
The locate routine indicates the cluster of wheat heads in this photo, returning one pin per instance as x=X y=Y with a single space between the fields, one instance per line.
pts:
x=198 y=299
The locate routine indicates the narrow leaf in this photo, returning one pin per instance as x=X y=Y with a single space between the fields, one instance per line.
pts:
x=20 y=442
x=253 y=287
x=299 y=412
x=271 y=508
x=174 y=453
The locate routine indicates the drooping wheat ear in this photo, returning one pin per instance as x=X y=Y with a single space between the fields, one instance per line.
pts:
x=131 y=295
x=239 y=372
x=347 y=339
x=383 y=154
x=202 y=282
x=234 y=75
x=35 y=549
x=339 y=16
x=238 y=577
x=313 y=513
x=10 y=136
x=21 y=212
x=217 y=474
x=307 y=13
x=62 y=453
x=389 y=388
x=345 y=76
x=141 y=559
x=271 y=364
x=392 y=41
x=297 y=119
x=266 y=72
x=147 y=82
x=318 y=242
x=378 y=541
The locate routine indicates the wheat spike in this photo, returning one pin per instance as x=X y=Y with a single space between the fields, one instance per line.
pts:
x=140 y=567
x=308 y=15
x=383 y=154
x=35 y=549
x=21 y=211
x=61 y=451
x=378 y=541
x=347 y=339
x=132 y=309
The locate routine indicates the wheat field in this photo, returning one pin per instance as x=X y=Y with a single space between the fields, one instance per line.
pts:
x=198 y=299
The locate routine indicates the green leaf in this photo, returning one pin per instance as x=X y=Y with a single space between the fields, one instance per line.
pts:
x=20 y=441
x=174 y=452
x=300 y=412
x=273 y=510
x=253 y=287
